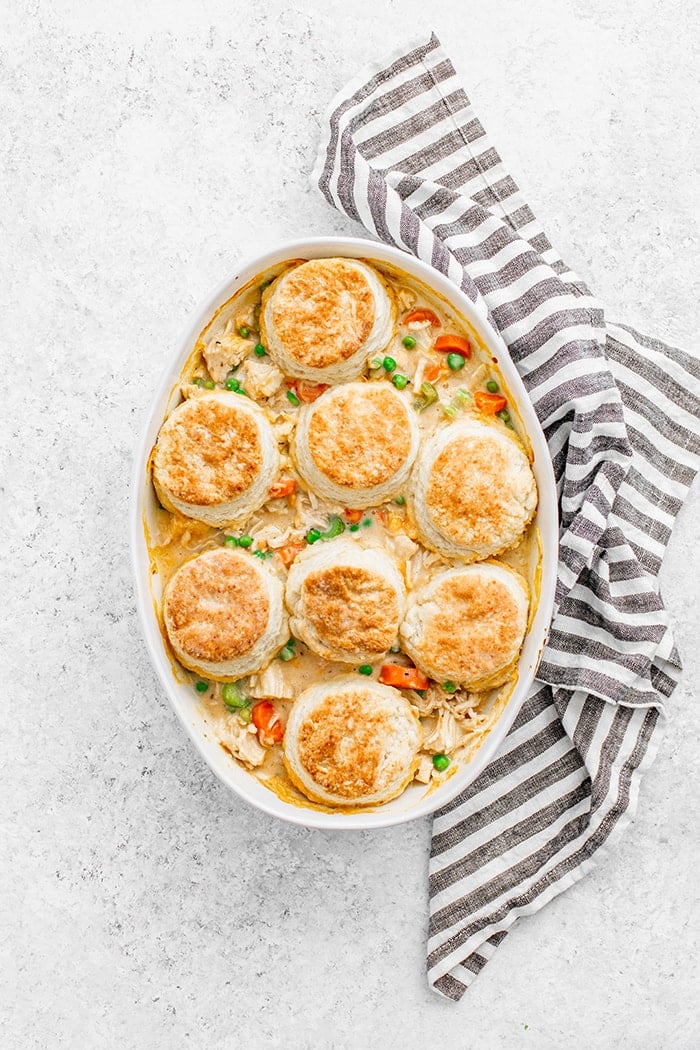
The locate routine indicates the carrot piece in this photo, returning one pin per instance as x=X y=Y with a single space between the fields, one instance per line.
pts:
x=448 y=344
x=267 y=722
x=353 y=516
x=283 y=487
x=403 y=677
x=489 y=403
x=422 y=314
x=288 y=553
x=308 y=392
x=432 y=371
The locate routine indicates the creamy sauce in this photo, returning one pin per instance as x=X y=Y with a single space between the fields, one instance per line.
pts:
x=173 y=539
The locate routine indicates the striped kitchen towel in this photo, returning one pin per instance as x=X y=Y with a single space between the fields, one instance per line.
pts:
x=405 y=155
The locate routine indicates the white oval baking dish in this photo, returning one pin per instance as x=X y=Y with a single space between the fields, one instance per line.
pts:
x=416 y=801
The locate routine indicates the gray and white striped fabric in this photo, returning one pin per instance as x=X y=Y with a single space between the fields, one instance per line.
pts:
x=405 y=155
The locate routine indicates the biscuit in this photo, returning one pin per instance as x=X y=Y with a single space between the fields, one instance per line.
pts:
x=351 y=742
x=322 y=319
x=345 y=601
x=472 y=491
x=467 y=625
x=224 y=615
x=215 y=459
x=356 y=444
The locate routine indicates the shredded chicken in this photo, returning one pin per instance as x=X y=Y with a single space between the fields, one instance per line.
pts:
x=405 y=298
x=404 y=548
x=273 y=536
x=242 y=741
x=190 y=389
x=223 y=353
x=446 y=735
x=272 y=682
x=243 y=319
x=424 y=342
x=283 y=427
x=425 y=769
x=420 y=564
x=262 y=378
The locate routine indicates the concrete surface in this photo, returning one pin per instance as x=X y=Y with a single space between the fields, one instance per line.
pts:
x=145 y=148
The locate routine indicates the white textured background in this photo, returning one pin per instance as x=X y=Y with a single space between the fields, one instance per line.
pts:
x=145 y=148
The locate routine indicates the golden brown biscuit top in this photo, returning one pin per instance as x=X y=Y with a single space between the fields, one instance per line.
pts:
x=351 y=608
x=467 y=494
x=209 y=453
x=323 y=312
x=360 y=436
x=475 y=626
x=342 y=744
x=216 y=606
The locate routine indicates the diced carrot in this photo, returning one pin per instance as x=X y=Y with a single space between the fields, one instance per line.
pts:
x=353 y=516
x=403 y=677
x=432 y=371
x=422 y=314
x=283 y=487
x=449 y=344
x=267 y=721
x=382 y=516
x=288 y=553
x=489 y=403
x=308 y=392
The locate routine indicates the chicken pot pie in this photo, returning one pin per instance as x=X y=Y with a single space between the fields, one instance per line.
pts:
x=345 y=553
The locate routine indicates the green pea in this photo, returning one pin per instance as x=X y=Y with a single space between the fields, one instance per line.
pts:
x=399 y=381
x=232 y=383
x=245 y=715
x=259 y=350
x=198 y=381
x=242 y=392
x=245 y=541
x=455 y=362
x=244 y=332
x=201 y=687
x=450 y=687
x=365 y=669
x=389 y=364
x=312 y=535
x=376 y=362
x=441 y=762
x=287 y=653
x=354 y=528
x=292 y=398
x=492 y=386
x=400 y=501
x=367 y=522
x=230 y=541
x=409 y=342
x=208 y=384
x=233 y=696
